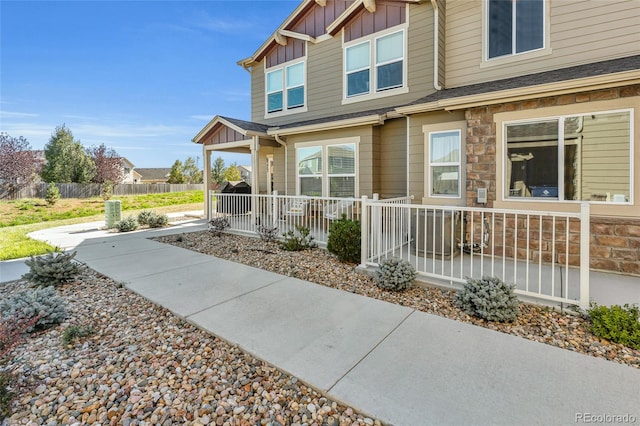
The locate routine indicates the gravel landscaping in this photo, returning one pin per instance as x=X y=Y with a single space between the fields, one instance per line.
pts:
x=142 y=365
x=562 y=329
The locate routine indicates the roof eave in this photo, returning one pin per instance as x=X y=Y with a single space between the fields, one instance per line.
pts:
x=372 y=119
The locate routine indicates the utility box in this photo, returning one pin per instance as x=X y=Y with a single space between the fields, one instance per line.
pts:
x=433 y=234
x=112 y=213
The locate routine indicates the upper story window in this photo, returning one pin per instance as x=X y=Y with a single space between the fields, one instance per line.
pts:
x=285 y=88
x=375 y=65
x=514 y=26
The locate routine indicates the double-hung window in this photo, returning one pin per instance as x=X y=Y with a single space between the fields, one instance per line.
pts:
x=444 y=163
x=375 y=65
x=327 y=170
x=583 y=157
x=514 y=26
x=285 y=88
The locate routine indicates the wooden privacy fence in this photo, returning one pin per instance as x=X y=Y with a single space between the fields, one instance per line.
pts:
x=88 y=190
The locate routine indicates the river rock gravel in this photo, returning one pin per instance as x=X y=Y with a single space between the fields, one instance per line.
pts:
x=142 y=365
x=566 y=329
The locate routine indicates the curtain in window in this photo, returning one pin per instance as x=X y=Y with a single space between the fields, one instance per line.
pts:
x=295 y=85
x=389 y=56
x=274 y=91
x=357 y=67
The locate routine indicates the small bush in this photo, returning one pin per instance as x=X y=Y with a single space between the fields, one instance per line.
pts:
x=52 y=194
x=106 y=190
x=489 y=298
x=268 y=234
x=298 y=240
x=617 y=323
x=144 y=216
x=395 y=274
x=129 y=223
x=344 y=239
x=153 y=219
x=42 y=303
x=74 y=332
x=218 y=225
x=52 y=270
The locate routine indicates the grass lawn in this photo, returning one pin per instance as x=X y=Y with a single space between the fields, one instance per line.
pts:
x=15 y=244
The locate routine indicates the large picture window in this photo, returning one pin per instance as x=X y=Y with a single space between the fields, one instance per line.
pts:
x=378 y=59
x=285 y=88
x=570 y=158
x=444 y=163
x=327 y=170
x=514 y=26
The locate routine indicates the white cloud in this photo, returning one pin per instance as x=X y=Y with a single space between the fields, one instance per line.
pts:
x=14 y=114
x=202 y=117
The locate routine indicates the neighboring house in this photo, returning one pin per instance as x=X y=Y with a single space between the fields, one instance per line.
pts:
x=129 y=174
x=153 y=175
x=245 y=173
x=536 y=102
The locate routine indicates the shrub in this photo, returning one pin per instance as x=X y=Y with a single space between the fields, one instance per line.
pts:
x=52 y=270
x=42 y=303
x=489 y=298
x=52 y=194
x=344 y=239
x=144 y=216
x=298 y=240
x=395 y=274
x=268 y=234
x=218 y=225
x=617 y=323
x=153 y=219
x=129 y=223
x=106 y=190
x=74 y=332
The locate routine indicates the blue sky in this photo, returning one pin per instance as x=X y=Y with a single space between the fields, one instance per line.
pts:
x=142 y=77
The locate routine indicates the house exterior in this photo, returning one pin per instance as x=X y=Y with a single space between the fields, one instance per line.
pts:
x=245 y=173
x=128 y=172
x=153 y=175
x=530 y=105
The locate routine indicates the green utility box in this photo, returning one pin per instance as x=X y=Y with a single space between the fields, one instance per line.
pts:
x=112 y=213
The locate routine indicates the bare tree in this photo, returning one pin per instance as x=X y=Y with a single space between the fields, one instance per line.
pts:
x=108 y=164
x=19 y=165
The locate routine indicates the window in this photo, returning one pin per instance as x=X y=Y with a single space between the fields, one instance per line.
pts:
x=444 y=163
x=285 y=88
x=335 y=177
x=380 y=59
x=570 y=158
x=514 y=26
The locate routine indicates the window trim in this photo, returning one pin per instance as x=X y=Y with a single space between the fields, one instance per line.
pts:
x=503 y=195
x=373 y=65
x=285 y=110
x=431 y=164
x=324 y=144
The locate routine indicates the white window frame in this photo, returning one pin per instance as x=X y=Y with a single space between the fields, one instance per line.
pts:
x=561 y=145
x=373 y=66
x=431 y=164
x=324 y=145
x=285 y=109
x=513 y=56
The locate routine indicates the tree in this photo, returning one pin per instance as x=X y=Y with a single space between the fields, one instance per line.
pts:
x=217 y=170
x=108 y=164
x=176 y=175
x=191 y=172
x=67 y=160
x=232 y=173
x=18 y=163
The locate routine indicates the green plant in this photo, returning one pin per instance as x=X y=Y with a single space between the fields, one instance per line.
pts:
x=52 y=270
x=617 y=323
x=6 y=394
x=106 y=190
x=489 y=298
x=42 y=303
x=144 y=216
x=268 y=234
x=298 y=240
x=74 y=332
x=129 y=223
x=395 y=274
x=52 y=194
x=217 y=225
x=344 y=239
x=158 y=220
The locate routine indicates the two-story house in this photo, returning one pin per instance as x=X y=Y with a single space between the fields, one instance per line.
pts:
x=536 y=102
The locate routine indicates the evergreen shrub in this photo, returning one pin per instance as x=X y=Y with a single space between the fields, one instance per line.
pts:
x=620 y=324
x=129 y=223
x=489 y=298
x=395 y=274
x=52 y=270
x=344 y=239
x=42 y=303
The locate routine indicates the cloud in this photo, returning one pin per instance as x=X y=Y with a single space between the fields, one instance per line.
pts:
x=224 y=25
x=14 y=114
x=202 y=117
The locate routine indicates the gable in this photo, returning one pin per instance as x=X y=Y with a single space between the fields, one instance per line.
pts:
x=365 y=23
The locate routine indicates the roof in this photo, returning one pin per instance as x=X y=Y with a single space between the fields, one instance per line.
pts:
x=154 y=173
x=247 y=125
x=247 y=128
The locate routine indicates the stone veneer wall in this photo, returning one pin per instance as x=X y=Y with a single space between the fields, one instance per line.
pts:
x=615 y=243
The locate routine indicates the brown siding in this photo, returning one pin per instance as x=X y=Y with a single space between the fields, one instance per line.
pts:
x=580 y=32
x=387 y=15
x=224 y=134
x=280 y=54
x=391 y=168
x=316 y=21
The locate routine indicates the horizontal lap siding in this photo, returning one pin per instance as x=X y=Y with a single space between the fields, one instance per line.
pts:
x=581 y=32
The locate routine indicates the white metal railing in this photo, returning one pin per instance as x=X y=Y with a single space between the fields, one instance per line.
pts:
x=546 y=255
x=249 y=213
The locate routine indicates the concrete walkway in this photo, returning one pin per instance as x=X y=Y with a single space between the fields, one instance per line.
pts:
x=402 y=366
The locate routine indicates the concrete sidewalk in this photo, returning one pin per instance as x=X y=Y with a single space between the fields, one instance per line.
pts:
x=402 y=366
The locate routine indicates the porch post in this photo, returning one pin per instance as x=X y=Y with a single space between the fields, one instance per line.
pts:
x=585 y=242
x=364 y=232
x=206 y=170
x=255 y=188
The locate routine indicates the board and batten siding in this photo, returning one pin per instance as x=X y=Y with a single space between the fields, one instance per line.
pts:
x=580 y=32
x=325 y=75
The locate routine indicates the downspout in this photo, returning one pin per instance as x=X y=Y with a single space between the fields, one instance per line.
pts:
x=436 y=43
x=286 y=162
